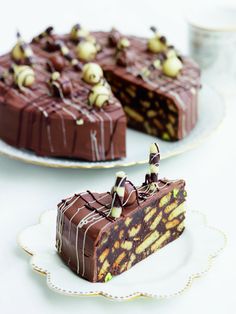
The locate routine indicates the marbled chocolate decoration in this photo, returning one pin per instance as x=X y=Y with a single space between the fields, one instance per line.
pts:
x=154 y=160
x=118 y=195
x=48 y=32
x=68 y=56
x=22 y=52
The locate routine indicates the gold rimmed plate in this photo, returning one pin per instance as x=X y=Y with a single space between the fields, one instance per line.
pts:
x=166 y=273
x=211 y=114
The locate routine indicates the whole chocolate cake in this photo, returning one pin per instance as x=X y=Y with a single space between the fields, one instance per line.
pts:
x=101 y=235
x=56 y=99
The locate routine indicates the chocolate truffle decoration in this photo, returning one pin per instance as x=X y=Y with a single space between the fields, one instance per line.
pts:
x=114 y=37
x=50 y=44
x=131 y=194
x=60 y=85
x=57 y=62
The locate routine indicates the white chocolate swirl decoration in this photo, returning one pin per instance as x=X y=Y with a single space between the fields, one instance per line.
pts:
x=118 y=194
x=92 y=73
x=99 y=96
x=24 y=76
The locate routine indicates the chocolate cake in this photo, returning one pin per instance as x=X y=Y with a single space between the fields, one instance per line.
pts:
x=56 y=100
x=101 y=235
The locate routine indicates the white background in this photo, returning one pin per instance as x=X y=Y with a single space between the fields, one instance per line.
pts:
x=26 y=191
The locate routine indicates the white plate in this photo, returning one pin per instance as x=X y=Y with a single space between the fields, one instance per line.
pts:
x=166 y=273
x=211 y=113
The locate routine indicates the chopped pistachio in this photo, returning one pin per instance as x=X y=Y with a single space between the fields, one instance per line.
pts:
x=175 y=192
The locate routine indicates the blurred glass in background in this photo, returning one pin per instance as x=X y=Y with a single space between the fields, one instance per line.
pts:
x=212 y=43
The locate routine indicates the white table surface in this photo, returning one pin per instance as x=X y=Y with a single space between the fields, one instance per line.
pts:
x=26 y=190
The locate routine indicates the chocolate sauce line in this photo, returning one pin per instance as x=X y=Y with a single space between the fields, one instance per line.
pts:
x=96 y=200
x=22 y=110
x=92 y=208
x=113 y=134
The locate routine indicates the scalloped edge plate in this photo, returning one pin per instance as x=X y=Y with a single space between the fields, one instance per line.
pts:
x=168 y=276
x=211 y=114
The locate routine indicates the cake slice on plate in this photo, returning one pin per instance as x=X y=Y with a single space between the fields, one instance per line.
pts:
x=101 y=235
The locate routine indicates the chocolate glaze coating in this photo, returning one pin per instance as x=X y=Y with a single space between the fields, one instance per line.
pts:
x=36 y=120
x=84 y=224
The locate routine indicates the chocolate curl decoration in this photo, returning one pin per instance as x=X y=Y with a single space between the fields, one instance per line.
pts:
x=154 y=160
x=48 y=31
x=118 y=194
x=66 y=53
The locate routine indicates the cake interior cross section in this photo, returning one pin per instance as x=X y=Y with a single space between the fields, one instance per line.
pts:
x=101 y=235
x=73 y=95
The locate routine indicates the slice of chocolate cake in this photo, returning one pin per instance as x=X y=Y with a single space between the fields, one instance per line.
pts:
x=101 y=235
x=55 y=109
x=55 y=100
